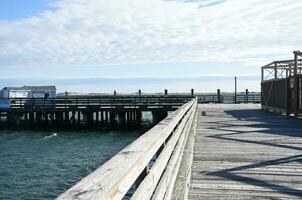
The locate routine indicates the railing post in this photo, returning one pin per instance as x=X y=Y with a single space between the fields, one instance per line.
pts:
x=218 y=96
x=235 y=97
x=166 y=92
x=192 y=92
x=246 y=96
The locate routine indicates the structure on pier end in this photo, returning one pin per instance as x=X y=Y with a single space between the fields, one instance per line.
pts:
x=281 y=85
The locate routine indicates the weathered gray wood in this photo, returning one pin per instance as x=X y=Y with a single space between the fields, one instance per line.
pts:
x=178 y=156
x=115 y=177
x=148 y=185
x=242 y=152
x=167 y=178
x=182 y=184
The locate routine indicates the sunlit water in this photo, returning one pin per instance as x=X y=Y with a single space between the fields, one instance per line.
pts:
x=39 y=165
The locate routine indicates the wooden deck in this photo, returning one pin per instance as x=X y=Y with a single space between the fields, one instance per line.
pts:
x=242 y=152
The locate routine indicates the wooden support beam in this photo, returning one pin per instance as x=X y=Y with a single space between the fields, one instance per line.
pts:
x=79 y=117
x=102 y=117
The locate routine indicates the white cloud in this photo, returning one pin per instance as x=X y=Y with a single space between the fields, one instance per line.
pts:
x=102 y=32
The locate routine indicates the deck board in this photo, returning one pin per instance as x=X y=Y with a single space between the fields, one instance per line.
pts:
x=242 y=152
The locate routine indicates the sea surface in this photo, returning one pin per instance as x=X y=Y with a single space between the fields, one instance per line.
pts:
x=42 y=165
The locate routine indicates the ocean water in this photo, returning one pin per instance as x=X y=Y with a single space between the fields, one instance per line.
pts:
x=42 y=165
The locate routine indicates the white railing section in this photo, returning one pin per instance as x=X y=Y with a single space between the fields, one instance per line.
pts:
x=148 y=166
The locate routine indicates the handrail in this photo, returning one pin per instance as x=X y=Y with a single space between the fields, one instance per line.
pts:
x=111 y=101
x=135 y=164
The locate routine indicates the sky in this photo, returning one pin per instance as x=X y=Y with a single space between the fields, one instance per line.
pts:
x=152 y=45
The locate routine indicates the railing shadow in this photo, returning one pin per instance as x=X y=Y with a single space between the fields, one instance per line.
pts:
x=240 y=125
x=231 y=175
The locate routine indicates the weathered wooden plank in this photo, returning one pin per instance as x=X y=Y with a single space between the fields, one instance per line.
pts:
x=165 y=186
x=170 y=188
x=182 y=184
x=148 y=185
x=242 y=152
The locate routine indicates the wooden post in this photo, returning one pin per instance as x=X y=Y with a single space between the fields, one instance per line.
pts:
x=129 y=117
x=192 y=92
x=246 y=96
x=102 y=117
x=235 y=98
x=66 y=117
x=218 y=96
x=114 y=93
x=166 y=92
x=79 y=117
x=139 y=93
x=106 y=117
x=97 y=117
x=31 y=118
x=296 y=87
x=73 y=118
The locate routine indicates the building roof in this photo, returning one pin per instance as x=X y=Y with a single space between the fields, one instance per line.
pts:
x=33 y=88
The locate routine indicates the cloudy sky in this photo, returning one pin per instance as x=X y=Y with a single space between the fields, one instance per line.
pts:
x=101 y=45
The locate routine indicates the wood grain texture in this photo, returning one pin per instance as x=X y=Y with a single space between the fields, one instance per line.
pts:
x=182 y=183
x=148 y=185
x=242 y=152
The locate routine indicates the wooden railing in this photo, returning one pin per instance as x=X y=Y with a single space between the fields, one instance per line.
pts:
x=79 y=102
x=146 y=169
x=229 y=98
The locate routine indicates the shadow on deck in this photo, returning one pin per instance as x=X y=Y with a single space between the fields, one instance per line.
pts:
x=243 y=152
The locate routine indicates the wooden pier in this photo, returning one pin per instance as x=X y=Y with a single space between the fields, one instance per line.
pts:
x=88 y=111
x=208 y=151
x=242 y=152
x=106 y=110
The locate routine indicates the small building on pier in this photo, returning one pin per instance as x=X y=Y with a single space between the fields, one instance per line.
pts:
x=281 y=86
x=28 y=92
